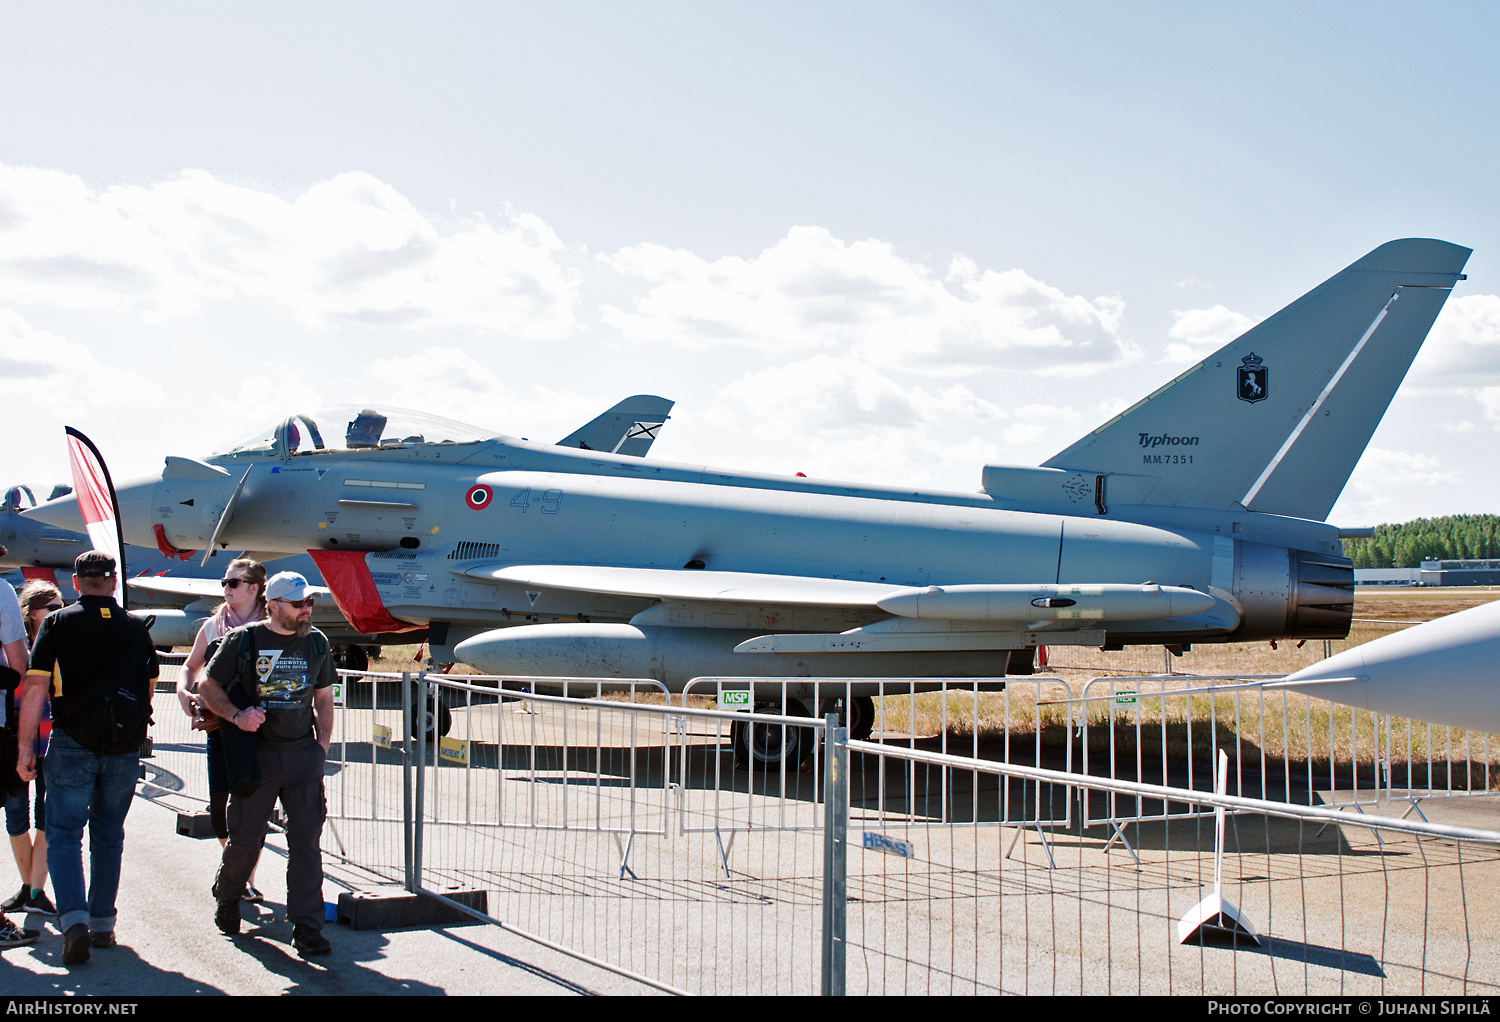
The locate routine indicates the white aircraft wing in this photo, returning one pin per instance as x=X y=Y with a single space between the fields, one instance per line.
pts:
x=689 y=584
x=199 y=587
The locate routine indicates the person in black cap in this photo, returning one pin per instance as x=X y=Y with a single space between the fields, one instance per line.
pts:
x=99 y=663
x=274 y=679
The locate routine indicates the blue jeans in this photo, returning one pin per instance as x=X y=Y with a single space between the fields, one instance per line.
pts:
x=86 y=789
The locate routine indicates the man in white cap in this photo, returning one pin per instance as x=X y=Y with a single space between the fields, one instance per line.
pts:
x=273 y=680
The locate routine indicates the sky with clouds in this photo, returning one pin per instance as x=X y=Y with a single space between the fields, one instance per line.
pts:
x=888 y=242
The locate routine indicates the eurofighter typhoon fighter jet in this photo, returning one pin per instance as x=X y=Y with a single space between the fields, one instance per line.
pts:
x=1196 y=515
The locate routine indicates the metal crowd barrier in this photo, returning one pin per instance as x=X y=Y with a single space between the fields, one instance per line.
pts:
x=940 y=855
x=571 y=814
x=1017 y=709
x=173 y=766
x=1339 y=906
x=950 y=880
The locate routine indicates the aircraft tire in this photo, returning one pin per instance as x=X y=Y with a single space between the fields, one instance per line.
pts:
x=767 y=746
x=437 y=720
x=861 y=723
x=351 y=658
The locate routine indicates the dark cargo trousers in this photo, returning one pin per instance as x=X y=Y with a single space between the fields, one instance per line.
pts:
x=296 y=777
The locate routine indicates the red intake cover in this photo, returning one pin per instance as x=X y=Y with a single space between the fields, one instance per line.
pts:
x=165 y=545
x=348 y=577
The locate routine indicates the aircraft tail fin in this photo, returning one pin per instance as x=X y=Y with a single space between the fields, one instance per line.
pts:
x=629 y=428
x=1275 y=420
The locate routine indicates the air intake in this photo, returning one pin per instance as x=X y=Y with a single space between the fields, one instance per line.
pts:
x=467 y=551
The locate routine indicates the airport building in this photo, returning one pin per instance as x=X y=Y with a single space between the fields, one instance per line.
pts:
x=1458 y=572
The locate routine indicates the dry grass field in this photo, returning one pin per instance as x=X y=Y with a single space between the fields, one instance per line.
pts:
x=1305 y=733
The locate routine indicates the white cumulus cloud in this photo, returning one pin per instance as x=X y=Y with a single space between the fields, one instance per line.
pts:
x=840 y=418
x=1463 y=350
x=474 y=393
x=34 y=361
x=1196 y=333
x=1385 y=480
x=349 y=249
x=814 y=292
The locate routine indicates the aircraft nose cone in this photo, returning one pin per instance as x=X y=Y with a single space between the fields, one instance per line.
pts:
x=61 y=512
x=135 y=499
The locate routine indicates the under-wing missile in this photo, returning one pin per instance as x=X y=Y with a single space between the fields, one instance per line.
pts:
x=674 y=656
x=1042 y=604
x=1445 y=671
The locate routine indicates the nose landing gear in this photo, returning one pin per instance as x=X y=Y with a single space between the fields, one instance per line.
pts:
x=760 y=746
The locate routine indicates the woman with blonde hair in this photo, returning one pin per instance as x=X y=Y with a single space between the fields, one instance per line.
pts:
x=244 y=603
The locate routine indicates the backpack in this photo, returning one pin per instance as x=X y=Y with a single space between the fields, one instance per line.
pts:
x=10 y=681
x=112 y=716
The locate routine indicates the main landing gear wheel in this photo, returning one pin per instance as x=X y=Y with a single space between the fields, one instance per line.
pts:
x=436 y=719
x=860 y=720
x=351 y=658
x=766 y=746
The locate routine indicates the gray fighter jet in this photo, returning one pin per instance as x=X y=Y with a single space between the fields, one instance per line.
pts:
x=1196 y=515
x=34 y=548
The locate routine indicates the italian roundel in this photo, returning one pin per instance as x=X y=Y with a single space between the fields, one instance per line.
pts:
x=478 y=497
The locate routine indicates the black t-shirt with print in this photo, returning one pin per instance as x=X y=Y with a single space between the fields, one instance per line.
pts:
x=287 y=669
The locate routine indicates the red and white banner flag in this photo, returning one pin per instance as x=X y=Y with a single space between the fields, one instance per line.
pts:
x=97 y=503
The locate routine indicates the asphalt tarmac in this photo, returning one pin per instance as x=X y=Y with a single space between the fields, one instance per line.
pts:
x=1345 y=913
x=170 y=946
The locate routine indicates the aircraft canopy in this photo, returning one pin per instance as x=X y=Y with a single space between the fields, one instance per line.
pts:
x=18 y=498
x=357 y=427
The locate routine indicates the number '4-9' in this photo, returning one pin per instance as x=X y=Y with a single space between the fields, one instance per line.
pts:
x=550 y=501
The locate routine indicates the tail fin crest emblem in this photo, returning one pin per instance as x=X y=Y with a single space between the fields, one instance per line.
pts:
x=1252 y=378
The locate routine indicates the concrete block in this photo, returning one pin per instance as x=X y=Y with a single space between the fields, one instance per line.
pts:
x=389 y=910
x=195 y=825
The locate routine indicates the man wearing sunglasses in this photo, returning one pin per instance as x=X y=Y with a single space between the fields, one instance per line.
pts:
x=283 y=672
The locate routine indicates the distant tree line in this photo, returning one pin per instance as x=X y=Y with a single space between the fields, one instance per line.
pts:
x=1409 y=544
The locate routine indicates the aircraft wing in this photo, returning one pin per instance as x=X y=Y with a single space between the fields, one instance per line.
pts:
x=1051 y=602
x=166 y=585
x=692 y=585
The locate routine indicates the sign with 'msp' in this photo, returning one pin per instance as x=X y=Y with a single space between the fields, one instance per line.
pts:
x=889 y=845
x=338 y=692
x=735 y=699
